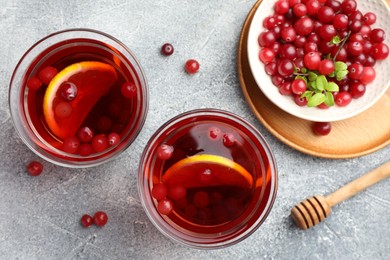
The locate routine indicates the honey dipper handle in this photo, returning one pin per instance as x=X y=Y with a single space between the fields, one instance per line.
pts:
x=363 y=182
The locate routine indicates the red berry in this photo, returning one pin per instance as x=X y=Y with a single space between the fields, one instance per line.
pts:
x=343 y=99
x=298 y=86
x=355 y=71
x=228 y=139
x=100 y=218
x=190 y=210
x=325 y=14
x=368 y=75
x=288 y=34
x=321 y=128
x=267 y=38
x=165 y=152
x=34 y=168
x=327 y=32
x=159 y=191
x=348 y=6
x=177 y=192
x=85 y=134
x=304 y=26
x=313 y=6
x=63 y=110
x=285 y=88
x=369 y=18
x=104 y=123
x=167 y=49
x=129 y=90
x=113 y=139
x=340 y=21
x=326 y=67
x=46 y=74
x=266 y=55
x=215 y=133
x=68 y=91
x=300 y=101
x=192 y=66
x=357 y=89
x=286 y=68
x=377 y=35
x=165 y=206
x=380 y=51
x=312 y=60
x=300 y=10
x=85 y=149
x=205 y=176
x=281 y=7
x=86 y=220
x=34 y=83
x=99 y=143
x=201 y=199
x=71 y=145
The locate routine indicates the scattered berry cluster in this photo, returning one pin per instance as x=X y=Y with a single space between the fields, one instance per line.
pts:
x=191 y=66
x=321 y=52
x=100 y=219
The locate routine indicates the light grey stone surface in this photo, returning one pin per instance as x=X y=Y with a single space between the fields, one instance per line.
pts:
x=39 y=217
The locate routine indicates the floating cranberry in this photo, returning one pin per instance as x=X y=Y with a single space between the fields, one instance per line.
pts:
x=99 y=143
x=47 y=74
x=71 y=145
x=201 y=199
x=192 y=66
x=159 y=191
x=177 y=192
x=34 y=168
x=167 y=49
x=86 y=220
x=190 y=210
x=104 y=123
x=205 y=176
x=63 y=110
x=129 y=90
x=68 y=91
x=215 y=133
x=34 y=83
x=165 y=206
x=113 y=139
x=85 y=149
x=85 y=134
x=165 y=152
x=228 y=139
x=100 y=218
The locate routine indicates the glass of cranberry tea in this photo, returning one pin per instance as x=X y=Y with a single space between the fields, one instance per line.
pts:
x=78 y=97
x=207 y=179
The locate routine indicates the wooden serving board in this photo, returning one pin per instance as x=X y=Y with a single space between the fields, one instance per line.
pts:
x=353 y=137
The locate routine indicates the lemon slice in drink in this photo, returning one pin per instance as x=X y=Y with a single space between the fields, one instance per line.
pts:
x=220 y=171
x=93 y=80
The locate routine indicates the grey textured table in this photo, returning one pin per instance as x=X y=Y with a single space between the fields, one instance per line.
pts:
x=39 y=217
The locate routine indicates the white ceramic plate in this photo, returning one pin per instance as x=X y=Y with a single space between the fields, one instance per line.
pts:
x=374 y=90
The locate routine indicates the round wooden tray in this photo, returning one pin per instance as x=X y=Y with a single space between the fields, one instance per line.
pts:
x=354 y=137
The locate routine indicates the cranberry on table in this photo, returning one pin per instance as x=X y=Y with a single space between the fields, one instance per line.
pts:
x=86 y=220
x=167 y=49
x=321 y=128
x=100 y=218
x=34 y=168
x=192 y=66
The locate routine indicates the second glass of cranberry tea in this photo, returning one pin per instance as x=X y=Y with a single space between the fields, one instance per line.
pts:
x=78 y=97
x=207 y=179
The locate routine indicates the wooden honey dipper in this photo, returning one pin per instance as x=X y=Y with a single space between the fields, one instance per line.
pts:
x=313 y=210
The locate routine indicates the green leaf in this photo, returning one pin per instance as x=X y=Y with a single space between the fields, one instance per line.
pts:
x=332 y=75
x=312 y=85
x=335 y=40
x=341 y=74
x=295 y=68
x=307 y=94
x=303 y=70
x=328 y=57
x=312 y=76
x=339 y=66
x=316 y=99
x=302 y=78
x=329 y=100
x=332 y=87
x=321 y=82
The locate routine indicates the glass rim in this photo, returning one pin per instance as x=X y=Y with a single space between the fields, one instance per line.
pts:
x=20 y=120
x=147 y=202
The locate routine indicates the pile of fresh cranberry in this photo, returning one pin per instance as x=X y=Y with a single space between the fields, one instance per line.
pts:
x=321 y=52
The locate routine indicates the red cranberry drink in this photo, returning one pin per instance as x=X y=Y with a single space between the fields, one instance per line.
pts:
x=78 y=97
x=207 y=179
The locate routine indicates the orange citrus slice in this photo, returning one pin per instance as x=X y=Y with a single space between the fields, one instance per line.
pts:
x=93 y=80
x=220 y=171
